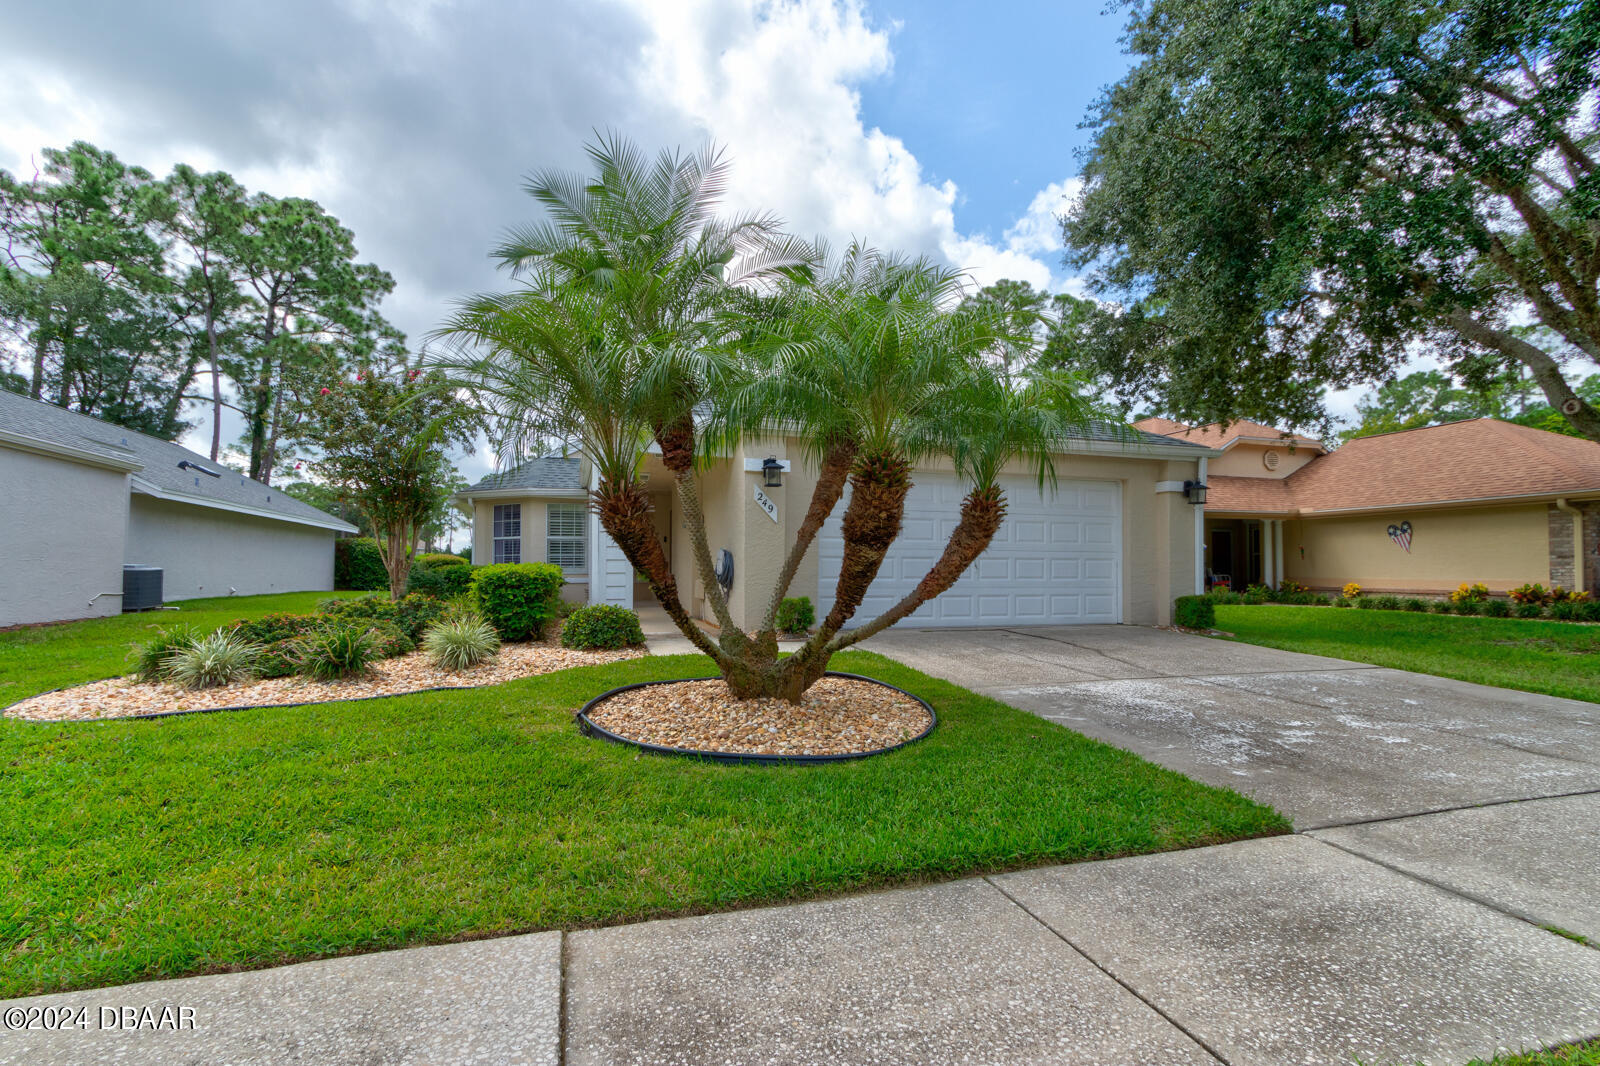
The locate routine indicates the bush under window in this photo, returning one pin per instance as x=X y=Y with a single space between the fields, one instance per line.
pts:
x=601 y=626
x=518 y=599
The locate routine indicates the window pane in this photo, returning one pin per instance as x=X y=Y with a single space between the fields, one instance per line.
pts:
x=566 y=529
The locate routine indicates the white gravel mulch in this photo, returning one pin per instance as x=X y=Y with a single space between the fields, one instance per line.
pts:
x=120 y=697
x=838 y=716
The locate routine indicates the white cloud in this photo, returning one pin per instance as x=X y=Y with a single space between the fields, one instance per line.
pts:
x=414 y=121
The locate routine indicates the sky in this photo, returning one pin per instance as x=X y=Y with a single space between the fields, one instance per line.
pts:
x=949 y=129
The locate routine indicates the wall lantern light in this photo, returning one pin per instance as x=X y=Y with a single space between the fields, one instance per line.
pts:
x=772 y=472
x=1195 y=492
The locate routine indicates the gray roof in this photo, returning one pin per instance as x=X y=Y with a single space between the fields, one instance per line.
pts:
x=159 y=474
x=1116 y=433
x=552 y=472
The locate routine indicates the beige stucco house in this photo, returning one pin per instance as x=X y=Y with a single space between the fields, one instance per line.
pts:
x=1418 y=511
x=1116 y=540
x=85 y=498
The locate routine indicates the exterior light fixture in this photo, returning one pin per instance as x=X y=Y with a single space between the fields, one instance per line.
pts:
x=1195 y=492
x=772 y=472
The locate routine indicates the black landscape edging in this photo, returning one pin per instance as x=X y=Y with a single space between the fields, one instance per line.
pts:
x=587 y=726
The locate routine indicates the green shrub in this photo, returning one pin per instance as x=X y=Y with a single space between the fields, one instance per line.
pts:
x=1566 y=611
x=272 y=628
x=1497 y=608
x=460 y=642
x=279 y=659
x=410 y=615
x=434 y=560
x=357 y=564
x=1467 y=606
x=1415 y=603
x=150 y=658
x=1367 y=603
x=796 y=615
x=1254 y=599
x=601 y=625
x=1589 y=610
x=336 y=650
x=219 y=658
x=1343 y=601
x=1388 y=603
x=441 y=582
x=518 y=598
x=1441 y=607
x=1529 y=610
x=1195 y=612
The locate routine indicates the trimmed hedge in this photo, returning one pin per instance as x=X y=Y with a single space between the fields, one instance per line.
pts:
x=1194 y=612
x=796 y=615
x=357 y=565
x=410 y=615
x=601 y=625
x=434 y=560
x=518 y=598
x=445 y=582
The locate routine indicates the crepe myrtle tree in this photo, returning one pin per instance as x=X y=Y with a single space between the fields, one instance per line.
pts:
x=381 y=438
x=645 y=319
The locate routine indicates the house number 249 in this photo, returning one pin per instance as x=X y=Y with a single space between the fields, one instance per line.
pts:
x=766 y=504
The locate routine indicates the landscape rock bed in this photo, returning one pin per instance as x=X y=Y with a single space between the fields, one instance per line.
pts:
x=124 y=697
x=841 y=716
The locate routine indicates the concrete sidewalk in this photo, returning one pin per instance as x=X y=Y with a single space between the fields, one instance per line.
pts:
x=1282 y=950
x=1451 y=828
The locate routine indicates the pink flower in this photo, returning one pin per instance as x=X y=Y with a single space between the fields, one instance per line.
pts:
x=326 y=391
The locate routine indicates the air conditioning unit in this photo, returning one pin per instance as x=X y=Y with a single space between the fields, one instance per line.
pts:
x=141 y=588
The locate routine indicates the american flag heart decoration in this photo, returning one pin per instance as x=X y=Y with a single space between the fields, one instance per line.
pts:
x=1401 y=535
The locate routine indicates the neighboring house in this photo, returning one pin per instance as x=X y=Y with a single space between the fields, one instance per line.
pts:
x=1416 y=511
x=1115 y=541
x=85 y=497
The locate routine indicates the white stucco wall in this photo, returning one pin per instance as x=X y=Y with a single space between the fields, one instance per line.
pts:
x=62 y=529
x=205 y=551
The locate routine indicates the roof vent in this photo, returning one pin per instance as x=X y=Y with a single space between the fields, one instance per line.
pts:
x=1270 y=459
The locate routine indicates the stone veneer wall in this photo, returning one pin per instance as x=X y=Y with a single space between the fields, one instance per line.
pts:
x=1561 y=571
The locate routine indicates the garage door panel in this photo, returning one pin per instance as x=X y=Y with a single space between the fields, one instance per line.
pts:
x=1056 y=559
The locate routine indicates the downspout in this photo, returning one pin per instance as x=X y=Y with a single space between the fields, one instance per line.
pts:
x=1578 y=567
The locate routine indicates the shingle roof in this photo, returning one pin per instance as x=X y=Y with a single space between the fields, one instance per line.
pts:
x=160 y=474
x=1215 y=436
x=1257 y=495
x=549 y=472
x=1480 y=459
x=1112 y=432
x=1483 y=458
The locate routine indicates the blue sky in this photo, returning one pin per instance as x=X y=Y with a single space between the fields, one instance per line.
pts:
x=990 y=96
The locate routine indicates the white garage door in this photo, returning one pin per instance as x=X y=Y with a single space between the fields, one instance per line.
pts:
x=1057 y=558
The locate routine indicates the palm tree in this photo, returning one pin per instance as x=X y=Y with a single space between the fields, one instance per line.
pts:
x=644 y=317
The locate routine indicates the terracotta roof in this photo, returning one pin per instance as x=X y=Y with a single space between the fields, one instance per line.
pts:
x=1216 y=436
x=1255 y=495
x=1474 y=460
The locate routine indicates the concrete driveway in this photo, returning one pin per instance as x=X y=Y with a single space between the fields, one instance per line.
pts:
x=1325 y=741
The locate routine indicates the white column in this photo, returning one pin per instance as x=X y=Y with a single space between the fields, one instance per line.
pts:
x=1277 y=549
x=1200 y=537
x=1268 y=577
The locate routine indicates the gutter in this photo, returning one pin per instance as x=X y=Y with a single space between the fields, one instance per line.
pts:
x=55 y=449
x=1577 y=542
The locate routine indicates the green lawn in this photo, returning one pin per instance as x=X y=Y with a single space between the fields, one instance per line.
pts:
x=141 y=849
x=1557 y=658
x=1585 y=1054
x=40 y=658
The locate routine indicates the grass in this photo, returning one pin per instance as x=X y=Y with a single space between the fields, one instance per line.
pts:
x=1556 y=658
x=157 y=848
x=40 y=658
x=1584 y=1054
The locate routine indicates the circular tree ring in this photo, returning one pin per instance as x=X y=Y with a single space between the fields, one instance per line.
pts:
x=588 y=727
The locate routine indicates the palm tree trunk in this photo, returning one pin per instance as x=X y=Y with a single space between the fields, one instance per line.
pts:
x=824 y=498
x=981 y=514
x=878 y=488
x=625 y=515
